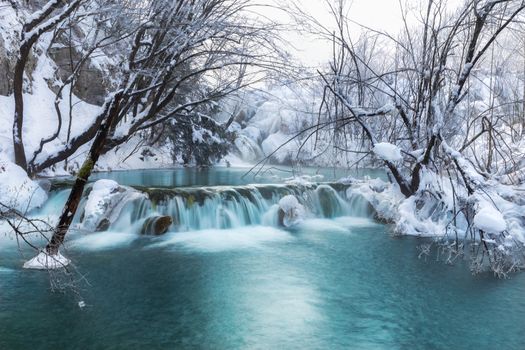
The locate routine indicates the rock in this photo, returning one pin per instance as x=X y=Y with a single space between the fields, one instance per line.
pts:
x=105 y=203
x=91 y=85
x=6 y=69
x=103 y=225
x=156 y=225
x=291 y=212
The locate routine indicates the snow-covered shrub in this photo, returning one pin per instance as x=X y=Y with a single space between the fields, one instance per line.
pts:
x=487 y=226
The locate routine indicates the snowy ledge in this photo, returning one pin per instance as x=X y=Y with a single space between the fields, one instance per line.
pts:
x=44 y=261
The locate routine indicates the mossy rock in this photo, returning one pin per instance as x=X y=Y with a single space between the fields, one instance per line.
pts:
x=156 y=225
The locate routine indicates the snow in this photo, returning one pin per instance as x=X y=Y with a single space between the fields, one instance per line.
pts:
x=489 y=219
x=39 y=110
x=279 y=143
x=44 y=261
x=388 y=152
x=387 y=108
x=294 y=212
x=17 y=190
x=106 y=201
x=97 y=202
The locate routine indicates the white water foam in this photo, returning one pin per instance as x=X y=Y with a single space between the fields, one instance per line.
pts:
x=322 y=225
x=351 y=221
x=103 y=241
x=223 y=240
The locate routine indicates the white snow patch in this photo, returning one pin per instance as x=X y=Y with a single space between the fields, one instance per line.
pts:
x=17 y=190
x=44 y=261
x=388 y=152
x=489 y=219
x=387 y=108
x=294 y=211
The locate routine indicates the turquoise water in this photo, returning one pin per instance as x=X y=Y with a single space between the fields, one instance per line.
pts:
x=332 y=283
x=224 y=176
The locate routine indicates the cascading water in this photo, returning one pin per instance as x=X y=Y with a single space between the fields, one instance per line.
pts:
x=221 y=207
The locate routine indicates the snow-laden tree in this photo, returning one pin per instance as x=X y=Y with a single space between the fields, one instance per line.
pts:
x=434 y=106
x=180 y=56
x=179 y=69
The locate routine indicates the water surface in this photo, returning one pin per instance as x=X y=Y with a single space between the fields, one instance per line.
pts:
x=331 y=283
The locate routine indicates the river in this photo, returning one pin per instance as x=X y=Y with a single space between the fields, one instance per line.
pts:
x=339 y=280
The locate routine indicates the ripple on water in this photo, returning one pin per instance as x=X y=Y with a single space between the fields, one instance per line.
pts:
x=5 y=270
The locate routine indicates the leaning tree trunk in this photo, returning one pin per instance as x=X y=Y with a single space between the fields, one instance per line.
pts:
x=71 y=206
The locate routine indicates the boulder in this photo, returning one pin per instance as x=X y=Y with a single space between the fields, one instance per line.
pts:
x=104 y=204
x=290 y=212
x=156 y=225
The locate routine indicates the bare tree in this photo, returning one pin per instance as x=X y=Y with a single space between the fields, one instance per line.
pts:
x=52 y=14
x=414 y=92
x=175 y=48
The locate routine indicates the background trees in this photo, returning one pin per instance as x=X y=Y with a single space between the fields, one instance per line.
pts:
x=173 y=64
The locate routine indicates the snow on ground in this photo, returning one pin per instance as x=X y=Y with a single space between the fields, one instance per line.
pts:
x=17 y=190
x=40 y=117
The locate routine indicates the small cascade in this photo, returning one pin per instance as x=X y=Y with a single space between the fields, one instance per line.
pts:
x=223 y=207
x=358 y=205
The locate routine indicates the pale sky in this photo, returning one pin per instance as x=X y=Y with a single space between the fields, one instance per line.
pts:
x=381 y=15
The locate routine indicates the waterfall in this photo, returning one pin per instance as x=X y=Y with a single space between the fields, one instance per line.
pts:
x=223 y=207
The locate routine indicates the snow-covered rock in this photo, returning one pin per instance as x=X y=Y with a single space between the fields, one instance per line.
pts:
x=105 y=203
x=387 y=151
x=44 y=261
x=291 y=212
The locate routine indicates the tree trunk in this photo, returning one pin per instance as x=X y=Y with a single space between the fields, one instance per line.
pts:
x=18 y=120
x=71 y=205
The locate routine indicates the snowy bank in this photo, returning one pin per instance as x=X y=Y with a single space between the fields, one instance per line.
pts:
x=17 y=190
